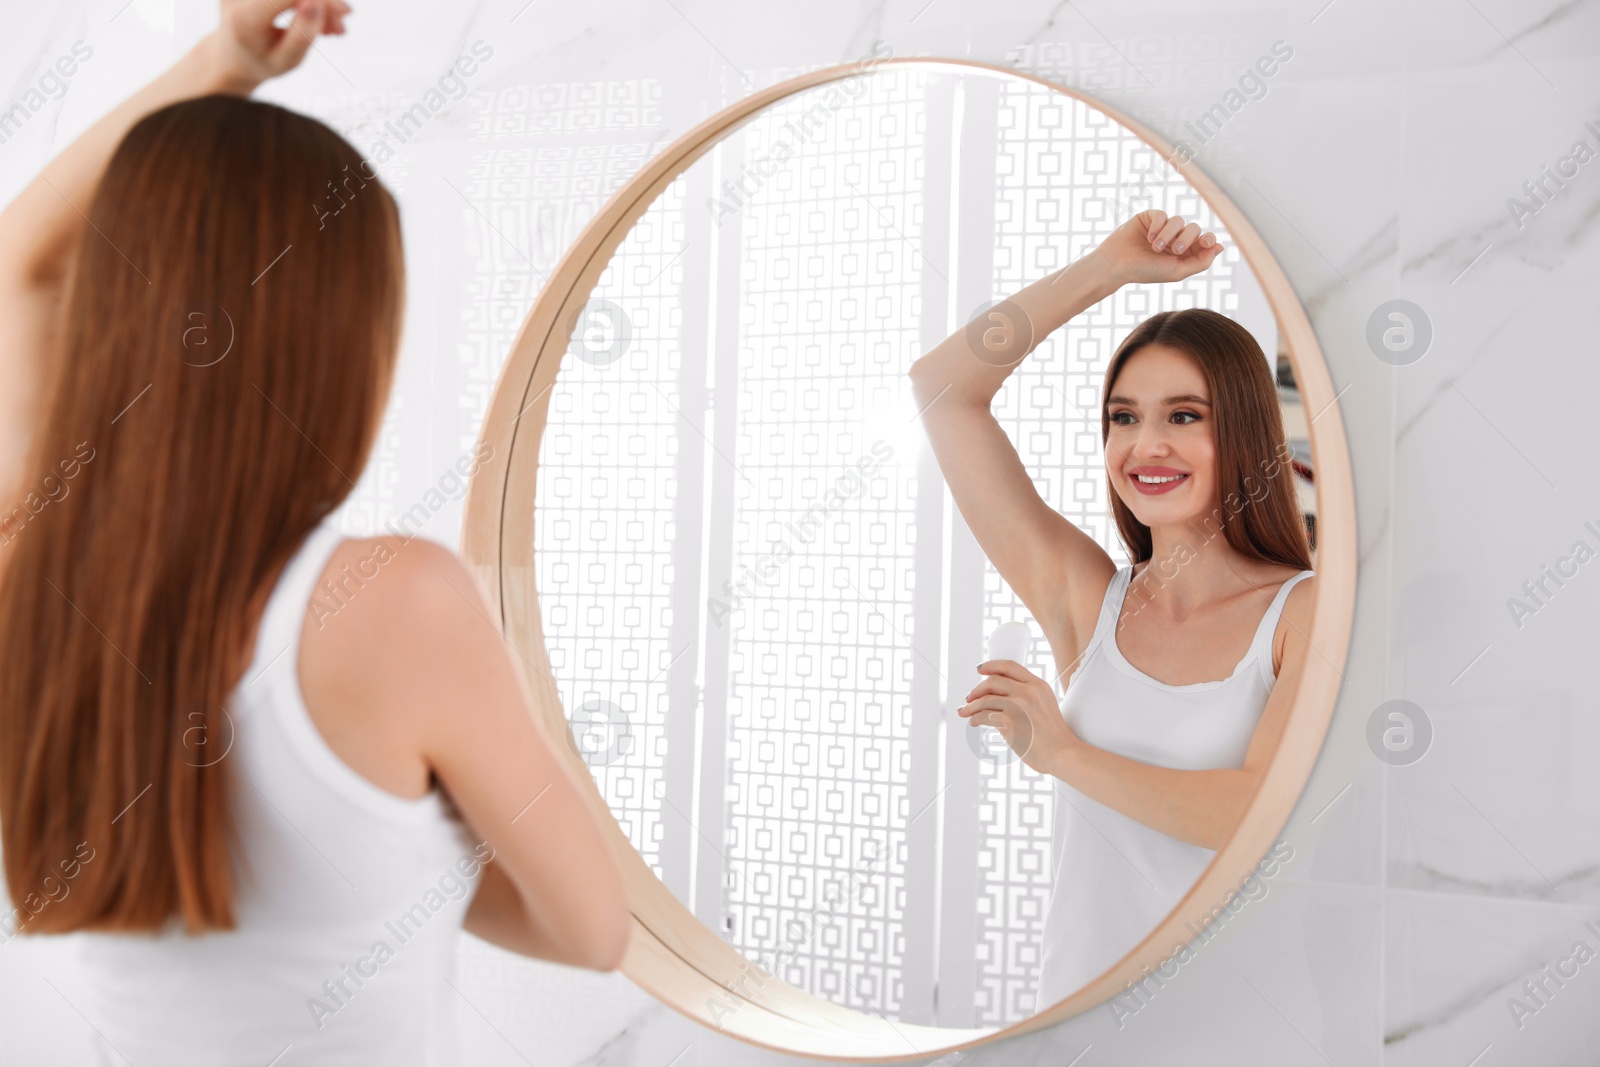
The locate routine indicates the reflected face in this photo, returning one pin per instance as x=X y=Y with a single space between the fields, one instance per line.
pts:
x=1161 y=450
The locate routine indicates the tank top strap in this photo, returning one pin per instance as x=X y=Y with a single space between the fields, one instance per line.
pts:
x=274 y=683
x=1111 y=606
x=1261 y=646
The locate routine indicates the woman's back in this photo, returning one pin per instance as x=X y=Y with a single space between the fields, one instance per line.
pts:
x=253 y=879
x=349 y=898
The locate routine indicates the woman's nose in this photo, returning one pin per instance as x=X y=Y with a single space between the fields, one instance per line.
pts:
x=1152 y=440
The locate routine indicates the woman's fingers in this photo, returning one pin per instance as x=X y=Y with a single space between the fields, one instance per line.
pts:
x=1169 y=230
x=1005 y=668
x=999 y=718
x=1173 y=233
x=259 y=15
x=1157 y=219
x=1184 y=249
x=309 y=18
x=973 y=707
x=995 y=686
x=1186 y=238
x=985 y=704
x=1199 y=260
x=336 y=16
x=259 y=11
x=1205 y=256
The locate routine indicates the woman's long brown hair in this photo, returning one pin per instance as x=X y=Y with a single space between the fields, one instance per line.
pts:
x=226 y=348
x=1258 y=512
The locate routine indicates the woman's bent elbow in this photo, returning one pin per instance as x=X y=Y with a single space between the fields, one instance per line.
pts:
x=610 y=947
x=915 y=373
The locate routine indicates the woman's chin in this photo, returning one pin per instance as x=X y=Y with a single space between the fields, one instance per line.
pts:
x=1157 y=512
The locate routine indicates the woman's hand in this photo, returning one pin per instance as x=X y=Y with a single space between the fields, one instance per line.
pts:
x=1155 y=247
x=248 y=49
x=1022 y=706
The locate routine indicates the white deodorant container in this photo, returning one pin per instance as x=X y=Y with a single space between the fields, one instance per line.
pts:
x=1011 y=640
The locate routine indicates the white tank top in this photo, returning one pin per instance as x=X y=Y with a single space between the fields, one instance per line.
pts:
x=1114 y=877
x=349 y=899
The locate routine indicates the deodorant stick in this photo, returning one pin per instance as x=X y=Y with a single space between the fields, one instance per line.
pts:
x=1011 y=640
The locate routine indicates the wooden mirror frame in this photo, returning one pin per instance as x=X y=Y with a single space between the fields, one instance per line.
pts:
x=672 y=955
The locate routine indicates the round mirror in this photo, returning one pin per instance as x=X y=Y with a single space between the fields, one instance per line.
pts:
x=726 y=552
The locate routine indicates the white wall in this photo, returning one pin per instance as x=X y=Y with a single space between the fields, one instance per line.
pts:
x=1378 y=165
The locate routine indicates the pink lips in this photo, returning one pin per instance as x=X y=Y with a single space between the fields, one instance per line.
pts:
x=1157 y=472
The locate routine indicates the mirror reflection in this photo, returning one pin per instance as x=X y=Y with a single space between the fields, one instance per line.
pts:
x=771 y=555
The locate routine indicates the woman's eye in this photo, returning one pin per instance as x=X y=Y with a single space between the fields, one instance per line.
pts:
x=1186 y=414
x=1117 y=417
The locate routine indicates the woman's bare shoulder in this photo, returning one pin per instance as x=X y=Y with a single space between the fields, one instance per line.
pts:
x=392 y=626
x=1295 y=621
x=385 y=587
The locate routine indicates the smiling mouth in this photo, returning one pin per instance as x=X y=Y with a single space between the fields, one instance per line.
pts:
x=1146 y=479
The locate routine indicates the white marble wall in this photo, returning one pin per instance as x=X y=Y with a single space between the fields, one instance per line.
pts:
x=1379 y=166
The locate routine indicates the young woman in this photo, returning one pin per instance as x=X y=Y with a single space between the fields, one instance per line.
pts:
x=1171 y=711
x=264 y=773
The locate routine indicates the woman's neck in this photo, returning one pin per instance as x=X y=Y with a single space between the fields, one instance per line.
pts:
x=1186 y=572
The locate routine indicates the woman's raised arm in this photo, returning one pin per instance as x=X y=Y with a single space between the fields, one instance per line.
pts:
x=41 y=228
x=1045 y=559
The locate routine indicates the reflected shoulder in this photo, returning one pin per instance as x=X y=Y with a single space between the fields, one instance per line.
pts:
x=1083 y=597
x=1295 y=621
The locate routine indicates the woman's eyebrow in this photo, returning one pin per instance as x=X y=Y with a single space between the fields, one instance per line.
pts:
x=1186 y=398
